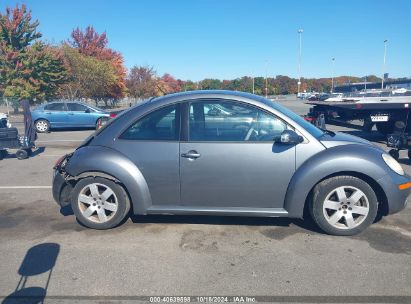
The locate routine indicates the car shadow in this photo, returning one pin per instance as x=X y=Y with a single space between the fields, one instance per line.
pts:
x=404 y=161
x=306 y=224
x=38 y=151
x=39 y=259
x=70 y=129
x=34 y=152
x=66 y=210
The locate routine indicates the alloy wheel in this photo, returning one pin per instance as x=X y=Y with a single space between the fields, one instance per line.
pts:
x=346 y=207
x=97 y=202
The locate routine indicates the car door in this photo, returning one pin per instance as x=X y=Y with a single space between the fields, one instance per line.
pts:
x=80 y=115
x=56 y=114
x=236 y=164
x=152 y=143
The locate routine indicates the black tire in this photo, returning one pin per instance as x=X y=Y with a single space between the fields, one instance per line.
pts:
x=385 y=128
x=395 y=153
x=21 y=154
x=42 y=126
x=409 y=154
x=123 y=203
x=324 y=188
x=3 y=154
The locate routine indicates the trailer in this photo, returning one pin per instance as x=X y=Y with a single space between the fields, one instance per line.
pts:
x=383 y=112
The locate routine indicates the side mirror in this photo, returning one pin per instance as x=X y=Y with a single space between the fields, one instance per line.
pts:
x=289 y=137
x=87 y=111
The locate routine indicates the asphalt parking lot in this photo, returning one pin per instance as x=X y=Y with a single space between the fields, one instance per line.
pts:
x=185 y=255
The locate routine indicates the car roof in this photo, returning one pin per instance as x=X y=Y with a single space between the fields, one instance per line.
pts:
x=210 y=94
x=65 y=101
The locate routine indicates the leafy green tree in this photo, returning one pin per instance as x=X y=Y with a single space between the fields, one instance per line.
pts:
x=210 y=84
x=188 y=86
x=28 y=68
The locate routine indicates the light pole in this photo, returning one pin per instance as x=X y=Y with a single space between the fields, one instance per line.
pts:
x=253 y=84
x=300 y=31
x=332 y=76
x=266 y=79
x=383 y=67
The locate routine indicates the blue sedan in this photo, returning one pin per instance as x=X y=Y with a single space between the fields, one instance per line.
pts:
x=61 y=114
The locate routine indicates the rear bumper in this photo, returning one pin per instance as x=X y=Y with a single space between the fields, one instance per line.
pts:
x=61 y=189
x=396 y=198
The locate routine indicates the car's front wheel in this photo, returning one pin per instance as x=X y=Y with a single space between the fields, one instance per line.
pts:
x=42 y=126
x=99 y=203
x=343 y=205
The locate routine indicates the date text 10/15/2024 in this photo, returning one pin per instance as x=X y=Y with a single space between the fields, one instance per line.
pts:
x=202 y=299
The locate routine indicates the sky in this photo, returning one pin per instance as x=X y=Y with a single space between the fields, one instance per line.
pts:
x=226 y=39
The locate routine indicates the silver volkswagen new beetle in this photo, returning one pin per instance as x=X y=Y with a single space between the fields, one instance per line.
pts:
x=227 y=153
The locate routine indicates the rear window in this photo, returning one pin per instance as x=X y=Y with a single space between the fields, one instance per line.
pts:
x=59 y=106
x=76 y=107
x=161 y=124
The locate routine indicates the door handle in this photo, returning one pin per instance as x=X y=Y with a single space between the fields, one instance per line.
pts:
x=192 y=154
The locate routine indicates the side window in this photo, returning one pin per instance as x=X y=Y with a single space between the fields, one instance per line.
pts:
x=76 y=107
x=58 y=106
x=230 y=121
x=162 y=124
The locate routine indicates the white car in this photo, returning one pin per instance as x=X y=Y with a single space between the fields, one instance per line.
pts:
x=4 y=120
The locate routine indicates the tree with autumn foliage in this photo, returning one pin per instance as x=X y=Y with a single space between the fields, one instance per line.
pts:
x=90 y=43
x=88 y=77
x=167 y=84
x=143 y=82
x=29 y=69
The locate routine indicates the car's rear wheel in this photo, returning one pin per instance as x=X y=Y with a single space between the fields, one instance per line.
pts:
x=99 y=203
x=99 y=123
x=343 y=205
x=42 y=126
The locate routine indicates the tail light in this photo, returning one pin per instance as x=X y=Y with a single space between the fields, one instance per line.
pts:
x=62 y=161
x=112 y=115
x=59 y=161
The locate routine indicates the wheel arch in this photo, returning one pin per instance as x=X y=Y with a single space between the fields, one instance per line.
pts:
x=353 y=160
x=74 y=180
x=379 y=191
x=98 y=118
x=107 y=163
x=41 y=118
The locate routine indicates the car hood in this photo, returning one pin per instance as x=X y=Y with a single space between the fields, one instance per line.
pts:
x=338 y=139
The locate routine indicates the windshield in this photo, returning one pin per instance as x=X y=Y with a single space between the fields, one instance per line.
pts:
x=310 y=128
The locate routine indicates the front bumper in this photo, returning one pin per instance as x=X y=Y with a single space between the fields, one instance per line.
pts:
x=396 y=198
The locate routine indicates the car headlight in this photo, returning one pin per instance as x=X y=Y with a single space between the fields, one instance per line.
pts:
x=392 y=163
